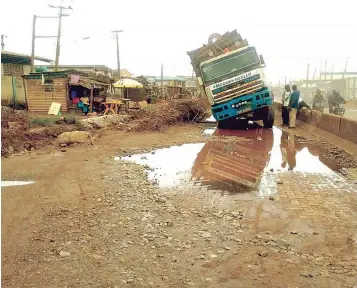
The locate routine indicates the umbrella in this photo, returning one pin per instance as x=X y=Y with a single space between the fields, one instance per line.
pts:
x=127 y=83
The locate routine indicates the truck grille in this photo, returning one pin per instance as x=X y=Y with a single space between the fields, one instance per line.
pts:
x=238 y=90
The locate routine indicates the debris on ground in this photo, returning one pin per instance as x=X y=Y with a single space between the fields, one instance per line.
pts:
x=104 y=121
x=188 y=110
x=75 y=137
x=17 y=136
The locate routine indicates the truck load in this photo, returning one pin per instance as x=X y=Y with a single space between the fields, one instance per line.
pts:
x=231 y=74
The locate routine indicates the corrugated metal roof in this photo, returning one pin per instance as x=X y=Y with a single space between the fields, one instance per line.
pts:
x=165 y=78
x=70 y=67
x=11 y=57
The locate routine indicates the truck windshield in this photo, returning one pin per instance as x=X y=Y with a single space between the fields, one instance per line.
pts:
x=233 y=63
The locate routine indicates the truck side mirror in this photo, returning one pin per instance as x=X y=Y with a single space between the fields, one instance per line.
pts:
x=199 y=79
x=262 y=60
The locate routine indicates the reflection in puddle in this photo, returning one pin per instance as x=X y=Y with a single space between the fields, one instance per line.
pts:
x=209 y=131
x=210 y=119
x=292 y=153
x=235 y=161
x=15 y=183
x=169 y=166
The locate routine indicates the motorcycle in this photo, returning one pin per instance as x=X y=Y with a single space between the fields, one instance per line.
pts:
x=338 y=109
x=318 y=106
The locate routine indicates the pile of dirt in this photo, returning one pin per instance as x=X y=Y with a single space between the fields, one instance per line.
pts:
x=187 y=110
x=16 y=135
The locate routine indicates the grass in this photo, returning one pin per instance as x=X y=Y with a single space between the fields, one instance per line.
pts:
x=49 y=120
x=42 y=122
x=70 y=119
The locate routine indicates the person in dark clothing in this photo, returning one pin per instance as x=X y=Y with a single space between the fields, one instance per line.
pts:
x=294 y=106
x=334 y=100
x=318 y=100
x=285 y=99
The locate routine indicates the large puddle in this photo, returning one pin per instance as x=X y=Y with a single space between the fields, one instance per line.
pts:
x=15 y=183
x=235 y=161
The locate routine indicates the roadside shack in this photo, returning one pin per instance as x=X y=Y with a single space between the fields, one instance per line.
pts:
x=71 y=89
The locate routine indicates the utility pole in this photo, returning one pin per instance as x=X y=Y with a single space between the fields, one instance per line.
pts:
x=344 y=72
x=58 y=47
x=307 y=75
x=325 y=68
x=332 y=74
x=33 y=44
x=162 y=80
x=2 y=42
x=118 y=60
x=313 y=78
x=34 y=37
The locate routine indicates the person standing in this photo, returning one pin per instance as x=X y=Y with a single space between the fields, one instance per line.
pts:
x=285 y=98
x=294 y=106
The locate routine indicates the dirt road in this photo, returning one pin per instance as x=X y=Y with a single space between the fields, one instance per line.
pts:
x=95 y=219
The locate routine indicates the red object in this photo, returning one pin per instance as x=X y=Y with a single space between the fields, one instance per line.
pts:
x=226 y=50
x=75 y=100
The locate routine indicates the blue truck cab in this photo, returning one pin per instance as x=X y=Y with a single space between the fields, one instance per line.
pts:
x=235 y=87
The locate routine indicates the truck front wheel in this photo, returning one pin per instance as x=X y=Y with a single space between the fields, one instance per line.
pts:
x=268 y=117
x=227 y=123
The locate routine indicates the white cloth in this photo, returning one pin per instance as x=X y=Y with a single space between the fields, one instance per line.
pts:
x=286 y=98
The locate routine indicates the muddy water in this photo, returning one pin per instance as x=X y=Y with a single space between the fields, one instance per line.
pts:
x=235 y=161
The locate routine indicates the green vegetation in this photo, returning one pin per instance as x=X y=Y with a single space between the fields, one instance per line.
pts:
x=42 y=122
x=70 y=119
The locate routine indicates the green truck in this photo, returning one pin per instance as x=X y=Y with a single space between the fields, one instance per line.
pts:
x=231 y=74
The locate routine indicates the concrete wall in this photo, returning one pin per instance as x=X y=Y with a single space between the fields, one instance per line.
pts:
x=337 y=125
x=6 y=89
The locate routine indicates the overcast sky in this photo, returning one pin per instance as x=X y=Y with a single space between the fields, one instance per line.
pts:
x=289 y=34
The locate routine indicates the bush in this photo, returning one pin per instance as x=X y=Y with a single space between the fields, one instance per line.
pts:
x=70 y=119
x=188 y=110
x=42 y=122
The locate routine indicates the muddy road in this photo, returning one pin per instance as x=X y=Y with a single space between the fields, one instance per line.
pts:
x=189 y=207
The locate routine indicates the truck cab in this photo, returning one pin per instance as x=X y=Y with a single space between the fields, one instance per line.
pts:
x=231 y=74
x=235 y=86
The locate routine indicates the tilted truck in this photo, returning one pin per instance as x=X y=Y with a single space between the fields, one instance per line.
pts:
x=231 y=73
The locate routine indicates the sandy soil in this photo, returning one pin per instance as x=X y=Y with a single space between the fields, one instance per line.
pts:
x=90 y=221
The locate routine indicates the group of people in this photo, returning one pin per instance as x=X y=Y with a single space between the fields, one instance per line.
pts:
x=334 y=99
x=290 y=101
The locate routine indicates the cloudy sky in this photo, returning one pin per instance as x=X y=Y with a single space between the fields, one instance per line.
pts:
x=288 y=33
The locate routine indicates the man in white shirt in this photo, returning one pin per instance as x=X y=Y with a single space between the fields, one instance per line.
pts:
x=285 y=99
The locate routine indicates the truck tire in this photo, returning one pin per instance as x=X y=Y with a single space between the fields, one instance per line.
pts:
x=268 y=117
x=227 y=123
x=213 y=36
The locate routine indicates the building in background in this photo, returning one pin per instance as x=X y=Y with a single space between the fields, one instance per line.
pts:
x=13 y=66
x=167 y=81
x=98 y=69
x=190 y=82
x=345 y=82
x=124 y=74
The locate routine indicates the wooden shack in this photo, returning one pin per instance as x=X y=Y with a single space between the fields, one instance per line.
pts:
x=44 y=88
